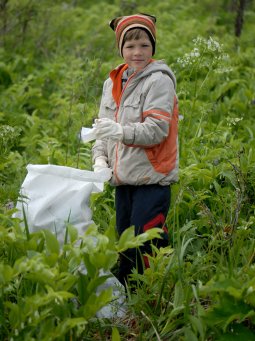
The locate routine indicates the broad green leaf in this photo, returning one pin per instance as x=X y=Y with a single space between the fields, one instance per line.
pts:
x=238 y=332
x=97 y=301
x=6 y=273
x=129 y=240
x=96 y=282
x=178 y=295
x=177 y=311
x=115 y=334
x=197 y=325
x=225 y=87
x=126 y=238
x=52 y=243
x=104 y=260
x=65 y=281
x=226 y=311
x=189 y=335
x=90 y=267
x=72 y=233
x=66 y=325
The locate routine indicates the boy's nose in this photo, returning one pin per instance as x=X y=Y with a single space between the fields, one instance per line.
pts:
x=137 y=51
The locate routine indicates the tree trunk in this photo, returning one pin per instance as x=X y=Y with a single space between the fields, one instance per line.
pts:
x=239 y=17
x=3 y=19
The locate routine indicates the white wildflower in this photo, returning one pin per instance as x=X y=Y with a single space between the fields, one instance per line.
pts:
x=36 y=313
x=233 y=120
x=195 y=53
x=250 y=290
x=224 y=69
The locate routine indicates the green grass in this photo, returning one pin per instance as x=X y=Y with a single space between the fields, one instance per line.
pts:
x=54 y=59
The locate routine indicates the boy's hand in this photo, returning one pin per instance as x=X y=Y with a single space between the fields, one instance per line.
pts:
x=106 y=128
x=100 y=163
x=102 y=169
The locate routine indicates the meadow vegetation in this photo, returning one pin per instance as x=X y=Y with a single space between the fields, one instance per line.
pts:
x=54 y=57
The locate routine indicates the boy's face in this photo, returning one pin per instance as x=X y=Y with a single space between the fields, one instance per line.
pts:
x=137 y=53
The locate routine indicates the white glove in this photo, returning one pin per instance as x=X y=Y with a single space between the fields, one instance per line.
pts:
x=101 y=168
x=100 y=163
x=106 y=128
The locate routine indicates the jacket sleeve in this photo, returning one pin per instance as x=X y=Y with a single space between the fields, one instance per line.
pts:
x=156 y=116
x=100 y=146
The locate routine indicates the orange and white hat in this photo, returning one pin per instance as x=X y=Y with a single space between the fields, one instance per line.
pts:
x=123 y=24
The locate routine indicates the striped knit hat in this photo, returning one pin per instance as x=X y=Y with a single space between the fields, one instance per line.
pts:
x=122 y=24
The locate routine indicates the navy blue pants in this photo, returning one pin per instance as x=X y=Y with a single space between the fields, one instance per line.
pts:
x=144 y=207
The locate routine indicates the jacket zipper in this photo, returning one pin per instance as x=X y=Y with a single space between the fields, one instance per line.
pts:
x=116 y=120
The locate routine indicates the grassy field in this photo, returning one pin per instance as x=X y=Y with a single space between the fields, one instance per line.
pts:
x=53 y=61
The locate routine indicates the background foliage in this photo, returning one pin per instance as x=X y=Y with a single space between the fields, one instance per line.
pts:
x=54 y=57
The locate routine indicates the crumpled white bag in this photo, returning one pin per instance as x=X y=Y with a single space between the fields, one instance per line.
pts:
x=51 y=196
x=117 y=307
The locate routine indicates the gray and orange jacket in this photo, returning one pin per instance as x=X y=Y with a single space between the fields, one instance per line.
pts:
x=147 y=109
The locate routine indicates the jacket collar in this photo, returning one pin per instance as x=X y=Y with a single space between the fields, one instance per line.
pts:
x=116 y=77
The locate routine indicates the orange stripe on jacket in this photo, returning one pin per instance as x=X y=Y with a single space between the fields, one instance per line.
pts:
x=163 y=156
x=161 y=118
x=152 y=111
x=161 y=115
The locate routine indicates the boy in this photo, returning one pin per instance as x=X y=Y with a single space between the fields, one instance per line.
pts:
x=136 y=135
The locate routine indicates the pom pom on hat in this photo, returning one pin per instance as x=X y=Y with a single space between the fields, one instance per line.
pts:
x=123 y=24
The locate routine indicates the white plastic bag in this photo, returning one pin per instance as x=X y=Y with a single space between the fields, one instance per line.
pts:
x=87 y=134
x=53 y=195
x=117 y=307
